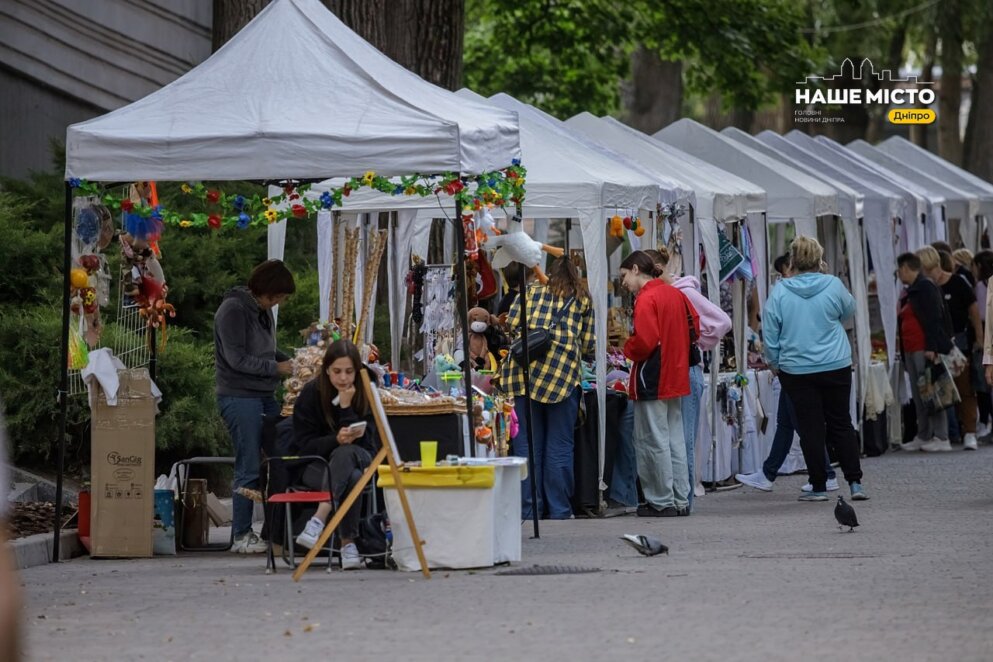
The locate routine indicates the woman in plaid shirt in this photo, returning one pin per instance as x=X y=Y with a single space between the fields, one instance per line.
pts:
x=555 y=385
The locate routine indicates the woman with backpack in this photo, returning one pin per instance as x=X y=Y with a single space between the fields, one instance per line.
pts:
x=659 y=347
x=563 y=308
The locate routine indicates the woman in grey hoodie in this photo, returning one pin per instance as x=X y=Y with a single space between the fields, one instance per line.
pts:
x=248 y=368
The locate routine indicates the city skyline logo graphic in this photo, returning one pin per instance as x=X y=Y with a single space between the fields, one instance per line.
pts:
x=906 y=97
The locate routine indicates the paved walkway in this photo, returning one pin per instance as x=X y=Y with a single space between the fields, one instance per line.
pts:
x=751 y=576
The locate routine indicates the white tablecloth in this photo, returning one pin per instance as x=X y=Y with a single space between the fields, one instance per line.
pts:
x=462 y=528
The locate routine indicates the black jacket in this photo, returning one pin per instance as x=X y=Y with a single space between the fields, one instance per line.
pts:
x=245 y=353
x=312 y=433
x=928 y=303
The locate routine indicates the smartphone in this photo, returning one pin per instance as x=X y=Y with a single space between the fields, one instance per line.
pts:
x=360 y=426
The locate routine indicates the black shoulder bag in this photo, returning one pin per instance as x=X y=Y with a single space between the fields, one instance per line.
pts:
x=539 y=340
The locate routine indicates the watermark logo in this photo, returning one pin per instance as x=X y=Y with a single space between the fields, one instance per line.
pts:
x=909 y=96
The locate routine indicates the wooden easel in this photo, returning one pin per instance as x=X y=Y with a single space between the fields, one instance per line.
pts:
x=388 y=451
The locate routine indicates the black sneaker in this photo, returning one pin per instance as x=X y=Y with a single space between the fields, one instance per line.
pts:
x=683 y=512
x=669 y=511
x=646 y=510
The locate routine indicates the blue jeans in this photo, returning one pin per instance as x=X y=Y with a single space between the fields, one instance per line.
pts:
x=243 y=417
x=690 y=405
x=624 y=481
x=783 y=440
x=553 y=438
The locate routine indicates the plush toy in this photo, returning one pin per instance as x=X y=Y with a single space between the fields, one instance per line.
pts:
x=479 y=349
x=481 y=419
x=617 y=227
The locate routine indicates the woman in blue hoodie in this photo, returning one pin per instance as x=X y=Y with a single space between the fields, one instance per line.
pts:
x=806 y=342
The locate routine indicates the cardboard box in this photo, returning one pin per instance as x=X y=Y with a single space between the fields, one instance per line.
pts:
x=122 y=466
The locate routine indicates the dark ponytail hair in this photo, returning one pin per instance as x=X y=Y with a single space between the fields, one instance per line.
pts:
x=642 y=260
x=661 y=259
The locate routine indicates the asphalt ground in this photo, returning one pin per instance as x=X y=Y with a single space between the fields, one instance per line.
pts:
x=750 y=576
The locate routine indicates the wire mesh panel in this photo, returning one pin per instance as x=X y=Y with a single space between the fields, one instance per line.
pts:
x=129 y=340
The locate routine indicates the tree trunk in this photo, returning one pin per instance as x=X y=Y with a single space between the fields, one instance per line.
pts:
x=894 y=58
x=425 y=36
x=231 y=16
x=653 y=98
x=979 y=133
x=919 y=132
x=950 y=95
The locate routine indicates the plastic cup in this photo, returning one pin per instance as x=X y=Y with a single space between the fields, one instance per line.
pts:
x=429 y=453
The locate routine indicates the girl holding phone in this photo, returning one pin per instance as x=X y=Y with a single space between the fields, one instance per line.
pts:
x=332 y=418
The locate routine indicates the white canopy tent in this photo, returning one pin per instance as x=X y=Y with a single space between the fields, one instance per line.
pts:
x=901 y=148
x=229 y=119
x=916 y=207
x=567 y=178
x=295 y=94
x=719 y=195
x=960 y=207
x=791 y=196
x=850 y=211
x=880 y=211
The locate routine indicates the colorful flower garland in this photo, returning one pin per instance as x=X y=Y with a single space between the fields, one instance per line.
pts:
x=498 y=188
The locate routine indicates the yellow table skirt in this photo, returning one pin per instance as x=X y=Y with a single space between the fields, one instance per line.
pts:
x=464 y=477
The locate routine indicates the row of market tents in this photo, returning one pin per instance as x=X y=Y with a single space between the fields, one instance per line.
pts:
x=296 y=94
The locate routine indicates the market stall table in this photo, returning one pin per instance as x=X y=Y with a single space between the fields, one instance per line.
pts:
x=468 y=515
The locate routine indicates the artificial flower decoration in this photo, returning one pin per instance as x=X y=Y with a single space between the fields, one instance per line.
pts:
x=498 y=188
x=244 y=220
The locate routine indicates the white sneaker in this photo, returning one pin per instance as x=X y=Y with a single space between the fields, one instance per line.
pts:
x=350 y=559
x=937 y=446
x=983 y=430
x=249 y=543
x=832 y=485
x=756 y=480
x=969 y=443
x=698 y=490
x=914 y=445
x=308 y=537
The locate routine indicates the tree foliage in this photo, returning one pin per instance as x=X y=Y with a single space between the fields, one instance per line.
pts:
x=567 y=56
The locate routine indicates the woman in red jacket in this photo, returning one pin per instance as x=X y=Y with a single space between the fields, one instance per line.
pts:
x=664 y=321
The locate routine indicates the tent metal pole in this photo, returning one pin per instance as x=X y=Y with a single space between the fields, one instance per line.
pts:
x=63 y=393
x=463 y=292
x=528 y=415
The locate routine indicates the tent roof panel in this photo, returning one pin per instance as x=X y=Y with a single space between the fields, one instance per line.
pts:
x=790 y=194
x=293 y=94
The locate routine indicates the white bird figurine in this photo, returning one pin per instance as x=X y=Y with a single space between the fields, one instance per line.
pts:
x=516 y=246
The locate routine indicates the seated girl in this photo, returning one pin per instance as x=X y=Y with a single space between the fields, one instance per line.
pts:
x=328 y=420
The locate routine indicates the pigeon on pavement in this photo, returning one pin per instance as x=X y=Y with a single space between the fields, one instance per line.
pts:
x=645 y=545
x=845 y=514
